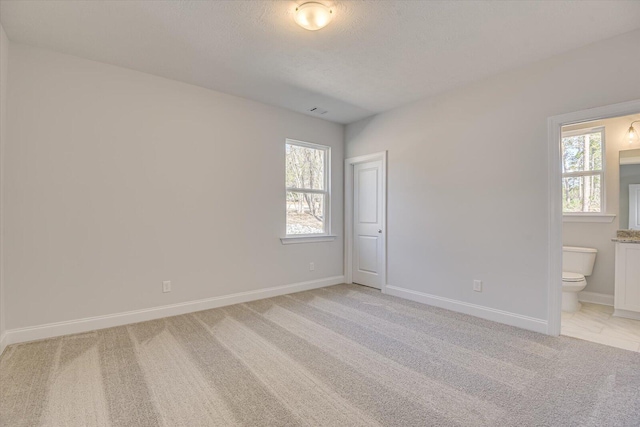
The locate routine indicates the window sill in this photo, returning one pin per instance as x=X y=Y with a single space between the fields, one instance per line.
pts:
x=307 y=239
x=585 y=217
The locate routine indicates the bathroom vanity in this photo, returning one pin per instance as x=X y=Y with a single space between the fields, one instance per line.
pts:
x=627 y=280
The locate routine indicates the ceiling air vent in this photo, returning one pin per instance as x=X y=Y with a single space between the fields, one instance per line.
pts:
x=317 y=110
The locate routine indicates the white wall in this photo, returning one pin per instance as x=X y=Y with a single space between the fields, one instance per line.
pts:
x=4 y=71
x=467 y=183
x=599 y=235
x=116 y=180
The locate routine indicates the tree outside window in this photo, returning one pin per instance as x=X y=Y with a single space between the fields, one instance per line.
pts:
x=583 y=171
x=307 y=184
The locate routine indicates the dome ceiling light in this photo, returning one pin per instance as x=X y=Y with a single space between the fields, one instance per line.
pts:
x=313 y=16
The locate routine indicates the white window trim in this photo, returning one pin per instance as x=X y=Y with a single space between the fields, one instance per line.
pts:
x=587 y=217
x=601 y=216
x=319 y=237
x=309 y=238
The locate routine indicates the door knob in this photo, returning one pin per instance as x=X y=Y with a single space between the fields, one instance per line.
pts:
x=380 y=231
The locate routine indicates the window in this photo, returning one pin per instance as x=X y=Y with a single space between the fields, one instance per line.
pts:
x=308 y=183
x=583 y=171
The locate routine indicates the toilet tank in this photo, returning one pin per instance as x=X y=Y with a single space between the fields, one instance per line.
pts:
x=578 y=260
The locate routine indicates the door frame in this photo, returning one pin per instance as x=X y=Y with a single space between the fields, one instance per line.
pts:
x=554 y=250
x=348 y=213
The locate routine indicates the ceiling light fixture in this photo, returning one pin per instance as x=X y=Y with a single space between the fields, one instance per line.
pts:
x=632 y=133
x=313 y=16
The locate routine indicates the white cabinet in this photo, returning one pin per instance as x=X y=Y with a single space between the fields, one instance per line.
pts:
x=627 y=282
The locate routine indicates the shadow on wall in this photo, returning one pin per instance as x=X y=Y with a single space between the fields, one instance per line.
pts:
x=354 y=130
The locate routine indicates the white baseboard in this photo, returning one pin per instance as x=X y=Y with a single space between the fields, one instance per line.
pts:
x=626 y=314
x=51 y=330
x=595 y=298
x=3 y=343
x=500 y=316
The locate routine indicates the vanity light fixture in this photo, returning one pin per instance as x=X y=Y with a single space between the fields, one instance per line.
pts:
x=313 y=16
x=632 y=133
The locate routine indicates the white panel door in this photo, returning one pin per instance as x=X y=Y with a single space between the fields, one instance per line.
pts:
x=368 y=236
x=634 y=206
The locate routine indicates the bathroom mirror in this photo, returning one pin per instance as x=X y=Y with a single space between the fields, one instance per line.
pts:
x=630 y=189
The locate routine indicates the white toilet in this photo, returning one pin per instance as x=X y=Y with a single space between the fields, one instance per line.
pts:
x=576 y=264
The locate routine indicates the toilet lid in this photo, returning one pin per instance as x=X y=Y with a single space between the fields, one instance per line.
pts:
x=572 y=277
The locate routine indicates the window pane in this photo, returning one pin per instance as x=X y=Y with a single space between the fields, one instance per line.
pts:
x=595 y=152
x=582 y=153
x=581 y=194
x=573 y=153
x=305 y=167
x=305 y=213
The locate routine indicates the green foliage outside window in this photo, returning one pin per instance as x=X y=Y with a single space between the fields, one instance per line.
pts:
x=582 y=172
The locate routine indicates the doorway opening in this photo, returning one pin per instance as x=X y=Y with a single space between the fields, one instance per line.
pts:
x=592 y=293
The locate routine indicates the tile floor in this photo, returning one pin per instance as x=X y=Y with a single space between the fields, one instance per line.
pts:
x=595 y=323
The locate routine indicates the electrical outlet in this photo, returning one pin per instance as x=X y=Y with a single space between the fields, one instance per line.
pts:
x=166 y=286
x=477 y=285
x=312 y=266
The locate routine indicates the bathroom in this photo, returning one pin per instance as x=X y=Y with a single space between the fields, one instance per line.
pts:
x=601 y=231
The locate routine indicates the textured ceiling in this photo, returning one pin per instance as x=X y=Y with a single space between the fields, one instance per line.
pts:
x=375 y=55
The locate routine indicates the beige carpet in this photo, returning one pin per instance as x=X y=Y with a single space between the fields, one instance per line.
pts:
x=340 y=356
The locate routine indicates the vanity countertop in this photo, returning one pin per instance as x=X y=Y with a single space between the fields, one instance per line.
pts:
x=627 y=236
x=618 y=240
